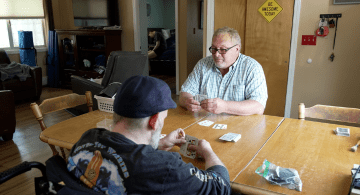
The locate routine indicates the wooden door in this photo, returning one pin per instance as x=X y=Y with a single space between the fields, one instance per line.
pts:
x=266 y=42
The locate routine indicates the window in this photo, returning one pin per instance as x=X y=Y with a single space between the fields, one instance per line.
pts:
x=17 y=15
x=9 y=31
x=4 y=42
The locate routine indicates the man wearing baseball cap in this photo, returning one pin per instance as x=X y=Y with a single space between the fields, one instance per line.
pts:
x=132 y=159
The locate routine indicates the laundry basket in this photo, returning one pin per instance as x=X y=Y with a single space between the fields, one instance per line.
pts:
x=105 y=104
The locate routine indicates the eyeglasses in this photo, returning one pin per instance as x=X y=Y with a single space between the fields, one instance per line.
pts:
x=221 y=51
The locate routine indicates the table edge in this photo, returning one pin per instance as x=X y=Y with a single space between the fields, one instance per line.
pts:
x=246 y=189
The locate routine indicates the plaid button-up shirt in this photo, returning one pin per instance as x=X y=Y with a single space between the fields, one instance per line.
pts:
x=244 y=81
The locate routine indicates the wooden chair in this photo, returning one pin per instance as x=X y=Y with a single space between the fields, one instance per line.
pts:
x=331 y=113
x=56 y=104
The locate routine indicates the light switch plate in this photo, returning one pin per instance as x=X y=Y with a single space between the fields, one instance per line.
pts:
x=308 y=40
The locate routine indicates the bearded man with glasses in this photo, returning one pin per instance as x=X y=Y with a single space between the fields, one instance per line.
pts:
x=232 y=82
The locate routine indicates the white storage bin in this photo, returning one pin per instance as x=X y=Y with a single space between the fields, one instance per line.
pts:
x=105 y=104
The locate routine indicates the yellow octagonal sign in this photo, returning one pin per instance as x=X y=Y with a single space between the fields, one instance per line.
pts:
x=270 y=9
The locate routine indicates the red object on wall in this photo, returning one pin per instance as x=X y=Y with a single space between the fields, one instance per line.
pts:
x=308 y=40
x=323 y=31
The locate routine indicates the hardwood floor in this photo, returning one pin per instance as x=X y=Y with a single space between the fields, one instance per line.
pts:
x=26 y=145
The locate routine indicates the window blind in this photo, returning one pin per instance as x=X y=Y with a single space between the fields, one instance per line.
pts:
x=21 y=8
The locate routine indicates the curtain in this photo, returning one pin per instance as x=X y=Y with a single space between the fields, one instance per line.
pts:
x=49 y=18
x=52 y=59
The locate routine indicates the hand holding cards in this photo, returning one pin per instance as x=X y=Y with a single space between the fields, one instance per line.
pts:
x=162 y=136
x=200 y=97
x=184 y=149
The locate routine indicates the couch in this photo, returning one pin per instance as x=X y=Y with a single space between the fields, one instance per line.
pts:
x=7 y=114
x=29 y=89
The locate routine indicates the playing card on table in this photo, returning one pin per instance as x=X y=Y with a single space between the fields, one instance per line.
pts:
x=200 y=97
x=184 y=149
x=342 y=131
x=231 y=137
x=205 y=123
x=220 y=126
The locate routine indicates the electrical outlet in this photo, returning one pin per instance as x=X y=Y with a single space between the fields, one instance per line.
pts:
x=308 y=40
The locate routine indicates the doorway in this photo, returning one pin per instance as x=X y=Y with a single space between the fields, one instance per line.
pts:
x=160 y=16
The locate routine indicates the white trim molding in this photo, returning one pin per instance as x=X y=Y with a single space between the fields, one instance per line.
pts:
x=177 y=47
x=292 y=61
x=16 y=50
x=137 y=42
x=210 y=24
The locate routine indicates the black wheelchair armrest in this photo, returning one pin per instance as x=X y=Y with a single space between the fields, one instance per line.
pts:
x=21 y=168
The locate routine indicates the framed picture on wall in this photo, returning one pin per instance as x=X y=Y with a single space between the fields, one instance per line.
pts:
x=201 y=15
x=346 y=2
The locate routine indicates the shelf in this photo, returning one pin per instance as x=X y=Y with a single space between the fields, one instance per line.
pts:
x=69 y=69
x=94 y=50
x=84 y=44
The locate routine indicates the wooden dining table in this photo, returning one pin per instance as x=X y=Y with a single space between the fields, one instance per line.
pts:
x=66 y=133
x=255 y=130
x=322 y=159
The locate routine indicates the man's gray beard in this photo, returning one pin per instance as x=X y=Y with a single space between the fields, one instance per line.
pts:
x=155 y=138
x=219 y=65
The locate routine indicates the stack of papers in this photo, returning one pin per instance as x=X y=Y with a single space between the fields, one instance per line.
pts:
x=342 y=131
x=231 y=137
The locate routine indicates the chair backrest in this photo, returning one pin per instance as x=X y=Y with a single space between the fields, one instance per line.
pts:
x=56 y=104
x=60 y=103
x=331 y=113
x=122 y=65
x=4 y=58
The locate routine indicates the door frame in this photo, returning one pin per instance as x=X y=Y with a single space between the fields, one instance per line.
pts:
x=210 y=23
x=292 y=61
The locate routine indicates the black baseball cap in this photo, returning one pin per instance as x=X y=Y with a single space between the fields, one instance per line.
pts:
x=142 y=96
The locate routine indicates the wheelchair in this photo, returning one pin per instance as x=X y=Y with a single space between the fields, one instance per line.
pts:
x=55 y=178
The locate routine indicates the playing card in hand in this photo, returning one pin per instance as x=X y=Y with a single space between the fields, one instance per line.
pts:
x=184 y=149
x=200 y=97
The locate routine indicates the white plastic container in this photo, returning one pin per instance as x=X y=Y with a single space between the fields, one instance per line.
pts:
x=105 y=104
